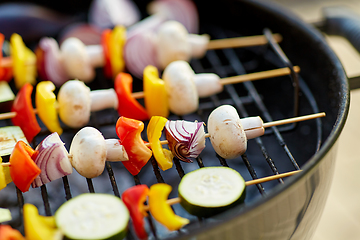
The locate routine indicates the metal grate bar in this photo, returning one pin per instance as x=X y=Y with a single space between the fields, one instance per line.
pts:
x=45 y=198
x=200 y=162
x=20 y=199
x=112 y=179
x=294 y=76
x=66 y=188
x=156 y=169
x=234 y=61
x=179 y=168
x=252 y=172
x=90 y=185
x=215 y=61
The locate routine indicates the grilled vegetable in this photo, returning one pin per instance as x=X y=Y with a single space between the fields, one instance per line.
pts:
x=129 y=131
x=52 y=159
x=5 y=177
x=186 y=139
x=8 y=233
x=9 y=136
x=93 y=216
x=46 y=105
x=5 y=215
x=227 y=134
x=25 y=116
x=211 y=190
x=88 y=150
x=161 y=210
x=23 y=170
x=129 y=106
x=163 y=156
x=38 y=227
x=134 y=199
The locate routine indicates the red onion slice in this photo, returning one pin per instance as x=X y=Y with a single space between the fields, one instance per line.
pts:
x=109 y=13
x=52 y=159
x=183 y=11
x=186 y=139
x=54 y=67
x=139 y=52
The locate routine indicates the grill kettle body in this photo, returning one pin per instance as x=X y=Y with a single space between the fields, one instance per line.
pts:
x=292 y=210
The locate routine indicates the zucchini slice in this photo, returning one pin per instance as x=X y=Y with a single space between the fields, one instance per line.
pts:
x=93 y=216
x=208 y=191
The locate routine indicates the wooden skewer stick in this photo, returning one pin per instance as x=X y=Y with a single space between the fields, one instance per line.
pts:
x=238 y=42
x=173 y=201
x=224 y=81
x=245 y=77
x=274 y=123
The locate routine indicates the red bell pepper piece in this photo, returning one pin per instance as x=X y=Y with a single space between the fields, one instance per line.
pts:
x=128 y=106
x=25 y=116
x=8 y=233
x=40 y=63
x=5 y=72
x=134 y=199
x=105 y=39
x=23 y=170
x=129 y=131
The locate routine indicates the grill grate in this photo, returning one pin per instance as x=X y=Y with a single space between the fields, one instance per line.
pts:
x=245 y=97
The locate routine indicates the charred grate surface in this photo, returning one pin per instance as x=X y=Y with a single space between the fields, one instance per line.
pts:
x=265 y=156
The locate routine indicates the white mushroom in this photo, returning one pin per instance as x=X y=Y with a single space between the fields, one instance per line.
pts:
x=74 y=103
x=207 y=84
x=198 y=44
x=115 y=151
x=172 y=43
x=180 y=87
x=88 y=150
x=76 y=59
x=103 y=98
x=227 y=135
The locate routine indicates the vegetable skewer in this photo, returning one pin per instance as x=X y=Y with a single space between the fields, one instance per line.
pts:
x=177 y=200
x=213 y=44
x=75 y=93
x=265 y=125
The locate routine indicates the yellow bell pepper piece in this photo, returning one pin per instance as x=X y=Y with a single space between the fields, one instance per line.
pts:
x=156 y=102
x=163 y=156
x=116 y=45
x=161 y=210
x=46 y=105
x=24 y=62
x=5 y=177
x=38 y=227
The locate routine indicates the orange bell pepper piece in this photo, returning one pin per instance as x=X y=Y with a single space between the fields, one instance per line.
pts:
x=23 y=170
x=129 y=132
x=8 y=233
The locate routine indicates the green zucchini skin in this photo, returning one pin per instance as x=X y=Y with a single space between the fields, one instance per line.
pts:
x=119 y=236
x=209 y=211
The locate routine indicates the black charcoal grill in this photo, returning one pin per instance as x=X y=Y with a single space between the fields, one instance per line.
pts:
x=287 y=208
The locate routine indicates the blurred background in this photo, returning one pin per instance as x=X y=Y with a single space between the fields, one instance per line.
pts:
x=341 y=217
